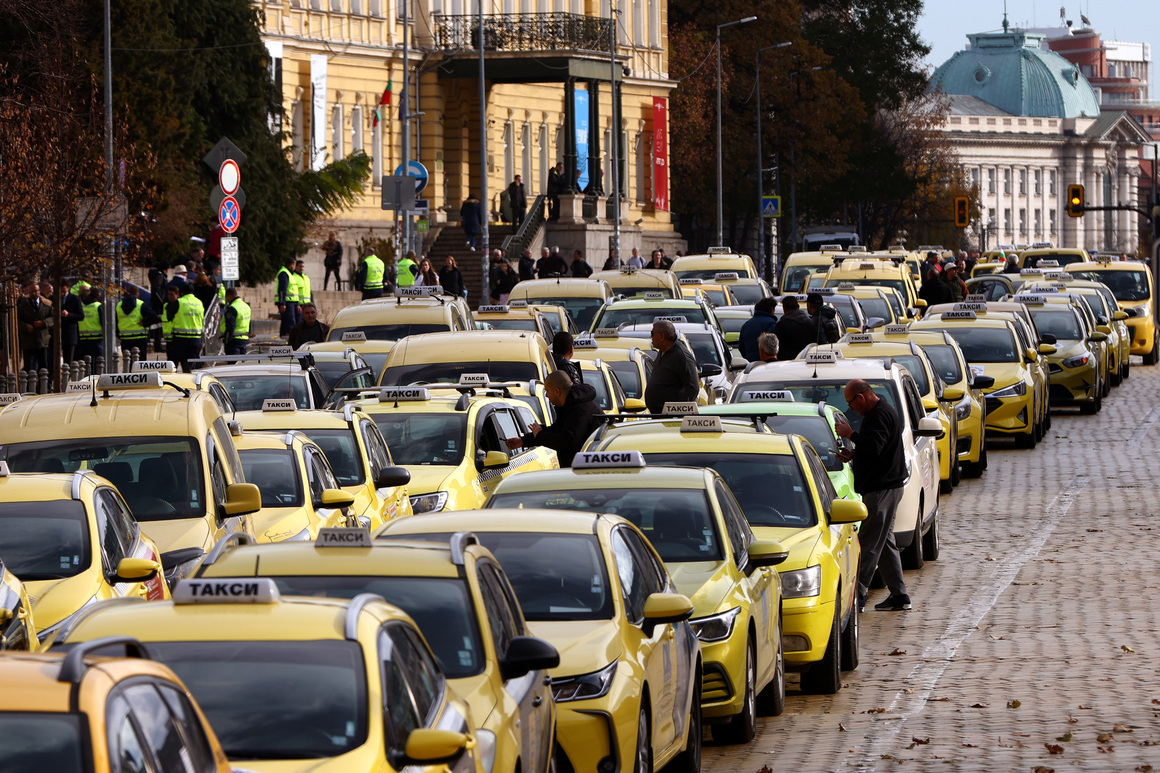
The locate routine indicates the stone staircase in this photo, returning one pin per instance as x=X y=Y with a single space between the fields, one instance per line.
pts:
x=452 y=241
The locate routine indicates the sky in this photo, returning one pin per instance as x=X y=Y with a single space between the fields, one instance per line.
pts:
x=944 y=24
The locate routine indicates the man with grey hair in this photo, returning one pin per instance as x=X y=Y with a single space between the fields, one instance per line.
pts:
x=552 y=264
x=767 y=347
x=675 y=377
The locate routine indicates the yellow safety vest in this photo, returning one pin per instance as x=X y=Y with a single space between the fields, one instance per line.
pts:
x=375 y=271
x=166 y=324
x=304 y=294
x=80 y=285
x=405 y=278
x=291 y=287
x=89 y=328
x=222 y=294
x=242 y=324
x=131 y=325
x=189 y=322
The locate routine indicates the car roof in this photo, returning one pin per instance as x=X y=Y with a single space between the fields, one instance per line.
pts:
x=421 y=559
x=387 y=311
x=258 y=421
x=155 y=412
x=564 y=287
x=530 y=520
x=490 y=344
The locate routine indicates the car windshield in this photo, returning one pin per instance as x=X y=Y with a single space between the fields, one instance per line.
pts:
x=595 y=379
x=440 y=606
x=897 y=284
x=582 y=309
x=160 y=477
x=986 y=344
x=945 y=362
x=1125 y=285
x=705 y=349
x=795 y=277
x=36 y=741
x=449 y=372
x=1062 y=258
x=677 y=522
x=333 y=370
x=389 y=332
x=502 y=323
x=747 y=294
x=614 y=317
x=1062 y=323
x=44 y=540
x=717 y=297
x=875 y=307
x=819 y=390
x=424 y=438
x=248 y=392
x=815 y=429
x=711 y=273
x=628 y=374
x=275 y=473
x=770 y=489
x=342 y=452
x=319 y=688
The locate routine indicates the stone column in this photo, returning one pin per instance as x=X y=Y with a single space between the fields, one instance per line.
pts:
x=595 y=165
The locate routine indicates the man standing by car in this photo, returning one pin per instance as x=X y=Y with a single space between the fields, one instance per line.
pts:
x=675 y=378
x=824 y=318
x=795 y=330
x=879 y=465
x=762 y=321
x=576 y=418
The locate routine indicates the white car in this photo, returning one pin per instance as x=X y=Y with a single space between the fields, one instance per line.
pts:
x=823 y=376
x=716 y=360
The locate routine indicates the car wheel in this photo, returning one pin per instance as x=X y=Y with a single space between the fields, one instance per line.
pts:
x=975 y=469
x=1153 y=356
x=912 y=557
x=642 y=762
x=689 y=761
x=850 y=637
x=771 y=700
x=1094 y=406
x=1027 y=440
x=1116 y=376
x=930 y=542
x=956 y=472
x=1125 y=368
x=825 y=676
x=945 y=486
x=1105 y=386
x=743 y=727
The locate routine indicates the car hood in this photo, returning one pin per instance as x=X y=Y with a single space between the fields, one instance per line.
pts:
x=360 y=759
x=704 y=582
x=178 y=533
x=1004 y=373
x=584 y=645
x=799 y=542
x=276 y=524
x=428 y=478
x=54 y=600
x=1065 y=348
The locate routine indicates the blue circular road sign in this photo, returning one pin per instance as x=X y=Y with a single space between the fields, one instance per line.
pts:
x=416 y=170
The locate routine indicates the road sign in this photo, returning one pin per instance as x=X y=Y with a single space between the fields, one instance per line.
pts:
x=771 y=206
x=229 y=214
x=416 y=170
x=398 y=193
x=221 y=151
x=230 y=258
x=422 y=226
x=229 y=176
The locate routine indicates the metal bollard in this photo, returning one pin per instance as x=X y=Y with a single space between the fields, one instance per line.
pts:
x=64 y=376
x=42 y=381
x=99 y=364
x=23 y=385
x=11 y=383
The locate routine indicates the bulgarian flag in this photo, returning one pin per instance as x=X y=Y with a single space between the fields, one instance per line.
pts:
x=385 y=100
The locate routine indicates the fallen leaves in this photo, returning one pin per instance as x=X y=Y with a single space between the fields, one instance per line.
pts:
x=1071 y=720
x=1126 y=648
x=1043 y=769
x=841 y=728
x=916 y=741
x=1013 y=704
x=877 y=710
x=1065 y=737
x=896 y=651
x=978 y=705
x=1118 y=728
x=1053 y=748
x=1144 y=768
x=1104 y=738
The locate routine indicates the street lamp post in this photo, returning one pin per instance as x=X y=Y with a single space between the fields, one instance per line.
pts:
x=485 y=262
x=720 y=175
x=766 y=267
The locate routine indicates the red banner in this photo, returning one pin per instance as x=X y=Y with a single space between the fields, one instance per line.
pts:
x=660 y=153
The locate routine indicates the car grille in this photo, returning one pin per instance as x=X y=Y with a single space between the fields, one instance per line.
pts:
x=715 y=686
x=1054 y=368
x=993 y=404
x=963 y=446
x=1060 y=394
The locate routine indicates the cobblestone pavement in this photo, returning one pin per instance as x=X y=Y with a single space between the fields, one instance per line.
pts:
x=1034 y=642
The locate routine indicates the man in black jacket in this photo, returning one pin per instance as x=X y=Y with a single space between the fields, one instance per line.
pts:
x=563 y=348
x=763 y=321
x=576 y=418
x=795 y=330
x=824 y=317
x=675 y=377
x=879 y=464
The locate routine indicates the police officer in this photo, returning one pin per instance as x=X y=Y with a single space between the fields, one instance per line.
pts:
x=235 y=324
x=286 y=297
x=370 y=276
x=134 y=318
x=90 y=330
x=168 y=312
x=407 y=270
x=305 y=295
x=188 y=326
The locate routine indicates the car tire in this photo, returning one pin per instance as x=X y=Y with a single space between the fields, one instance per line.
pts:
x=956 y=472
x=825 y=676
x=930 y=541
x=771 y=700
x=945 y=486
x=642 y=760
x=912 y=557
x=851 y=636
x=1027 y=440
x=1125 y=368
x=689 y=761
x=1153 y=356
x=1095 y=406
x=975 y=469
x=743 y=727
x=1116 y=376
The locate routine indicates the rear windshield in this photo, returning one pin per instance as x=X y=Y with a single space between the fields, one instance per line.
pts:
x=747 y=294
x=815 y=429
x=520 y=323
x=615 y=317
x=275 y=473
x=875 y=307
x=38 y=741
x=424 y=438
x=732 y=324
x=44 y=540
x=582 y=309
x=248 y=392
x=388 y=332
x=897 y=284
x=628 y=375
x=449 y=372
x=711 y=273
x=1061 y=324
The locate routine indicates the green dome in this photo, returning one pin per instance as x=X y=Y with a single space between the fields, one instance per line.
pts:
x=1010 y=71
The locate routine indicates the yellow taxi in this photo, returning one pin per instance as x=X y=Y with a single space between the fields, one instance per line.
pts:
x=609 y=393
x=1059 y=256
x=504 y=355
x=873 y=270
x=357 y=452
x=717 y=260
x=1092 y=308
x=785 y=496
x=462 y=602
x=393 y=319
x=452 y=443
x=631 y=282
x=1106 y=314
x=198 y=380
x=169 y=452
x=719 y=294
x=652 y=307
x=77 y=712
x=874 y=302
x=1132 y=284
x=373 y=352
x=72 y=540
x=295 y=684
x=748 y=290
x=1076 y=372
x=507 y=317
x=559 y=318
x=17 y=628
x=993 y=348
x=581 y=297
x=692 y=520
x=799 y=266
x=628 y=687
x=632 y=365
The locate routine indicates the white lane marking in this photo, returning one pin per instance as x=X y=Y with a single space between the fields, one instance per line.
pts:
x=921 y=681
x=1145 y=425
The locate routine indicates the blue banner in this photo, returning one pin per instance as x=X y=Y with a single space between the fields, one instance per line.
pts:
x=581 y=112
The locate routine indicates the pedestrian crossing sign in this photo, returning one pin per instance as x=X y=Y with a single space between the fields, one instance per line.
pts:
x=771 y=206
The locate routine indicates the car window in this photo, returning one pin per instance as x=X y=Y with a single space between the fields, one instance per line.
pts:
x=633 y=587
x=401 y=715
x=112 y=544
x=419 y=670
x=913 y=401
x=376 y=445
x=736 y=529
x=275 y=473
x=500 y=617
x=826 y=492
x=35 y=741
x=119 y=520
x=158 y=728
x=318 y=476
x=190 y=726
x=217 y=473
x=652 y=573
x=127 y=749
x=424 y=438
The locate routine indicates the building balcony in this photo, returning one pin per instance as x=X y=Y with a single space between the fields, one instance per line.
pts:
x=523 y=32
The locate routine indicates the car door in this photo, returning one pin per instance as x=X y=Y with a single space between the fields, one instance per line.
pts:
x=152 y=726
x=119 y=520
x=926 y=448
x=844 y=535
x=414 y=690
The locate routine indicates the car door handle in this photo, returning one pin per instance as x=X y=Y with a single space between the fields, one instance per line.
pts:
x=547 y=679
x=537 y=701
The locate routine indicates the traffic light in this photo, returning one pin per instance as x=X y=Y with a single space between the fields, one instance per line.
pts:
x=1075 y=200
x=962 y=212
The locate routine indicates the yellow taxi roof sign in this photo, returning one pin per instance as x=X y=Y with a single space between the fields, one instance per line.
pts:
x=1058 y=276
x=343 y=537
x=701 y=424
x=227 y=590
x=724 y=276
x=603 y=460
x=1031 y=300
x=1030 y=272
x=416 y=291
x=690 y=280
x=151 y=380
x=974 y=306
x=160 y=366
x=520 y=304
x=583 y=343
x=976 y=298
x=679 y=409
x=674 y=318
x=4 y=470
x=403 y=395
x=606 y=332
x=271 y=404
x=654 y=296
x=9 y=397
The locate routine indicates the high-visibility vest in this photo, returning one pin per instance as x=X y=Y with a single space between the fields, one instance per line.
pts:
x=131 y=325
x=89 y=328
x=222 y=294
x=291 y=286
x=375 y=271
x=405 y=278
x=242 y=323
x=80 y=285
x=189 y=322
x=304 y=294
x=166 y=324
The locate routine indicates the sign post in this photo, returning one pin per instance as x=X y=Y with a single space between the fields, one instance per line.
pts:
x=230 y=271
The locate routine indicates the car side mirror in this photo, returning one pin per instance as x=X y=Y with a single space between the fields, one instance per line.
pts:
x=389 y=477
x=1098 y=336
x=1031 y=355
x=920 y=303
x=952 y=394
x=134 y=570
x=495 y=459
x=737 y=363
x=1048 y=338
x=335 y=498
x=427 y=746
x=874 y=322
x=1104 y=328
x=1128 y=313
x=1047 y=349
x=1101 y=319
x=662 y=608
x=929 y=427
x=526 y=654
x=984 y=382
x=634 y=405
x=929 y=404
x=764 y=552
x=847 y=511
x=242 y=499
x=710 y=369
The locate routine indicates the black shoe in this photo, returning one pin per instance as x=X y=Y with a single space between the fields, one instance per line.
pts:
x=894 y=603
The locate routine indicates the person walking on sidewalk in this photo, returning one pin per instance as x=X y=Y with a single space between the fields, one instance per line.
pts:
x=518 y=200
x=879 y=473
x=471 y=215
x=332 y=262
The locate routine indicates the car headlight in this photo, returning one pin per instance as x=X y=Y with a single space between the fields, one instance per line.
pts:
x=585 y=686
x=485 y=749
x=1018 y=389
x=1078 y=360
x=963 y=409
x=429 y=503
x=715 y=627
x=64 y=626
x=801 y=583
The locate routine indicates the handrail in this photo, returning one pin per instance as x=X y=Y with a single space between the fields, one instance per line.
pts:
x=522 y=237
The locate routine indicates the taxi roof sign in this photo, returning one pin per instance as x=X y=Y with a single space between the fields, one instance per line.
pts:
x=1058 y=276
x=725 y=276
x=606 y=332
x=4 y=470
x=473 y=379
x=583 y=343
x=1048 y=263
x=971 y=306
x=690 y=280
x=403 y=395
x=866 y=266
x=151 y=380
x=343 y=537
x=674 y=318
x=497 y=309
x=1030 y=272
x=227 y=590
x=719 y=251
x=9 y=397
x=653 y=295
x=278 y=404
x=976 y=298
x=958 y=315
x=604 y=460
x=79 y=386
x=844 y=286
x=896 y=330
x=769 y=395
x=823 y=356
x=859 y=338
x=417 y=291
x=281 y=351
x=160 y=366
x=679 y=409
x=701 y=424
x=520 y=304
x=353 y=335
x=1031 y=300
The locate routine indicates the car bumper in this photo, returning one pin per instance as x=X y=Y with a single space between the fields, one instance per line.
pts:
x=970 y=444
x=600 y=734
x=723 y=683
x=1010 y=415
x=805 y=629
x=1143 y=334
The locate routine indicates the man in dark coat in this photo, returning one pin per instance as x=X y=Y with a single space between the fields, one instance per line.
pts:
x=935 y=289
x=35 y=320
x=762 y=321
x=795 y=330
x=577 y=417
x=825 y=319
x=471 y=215
x=552 y=265
x=527 y=266
x=518 y=200
x=563 y=348
x=675 y=377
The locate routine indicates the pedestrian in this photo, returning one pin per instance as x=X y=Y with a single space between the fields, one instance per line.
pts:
x=285 y=296
x=552 y=265
x=518 y=201
x=179 y=279
x=370 y=275
x=767 y=346
x=563 y=349
x=762 y=321
x=168 y=313
x=675 y=377
x=35 y=318
x=134 y=318
x=407 y=270
x=503 y=279
x=471 y=216
x=577 y=417
x=451 y=278
x=309 y=330
x=427 y=276
x=91 y=330
x=305 y=293
x=203 y=288
x=612 y=264
x=332 y=261
x=235 y=323
x=527 y=266
x=1012 y=263
x=934 y=289
x=879 y=466
x=795 y=330
x=824 y=318
x=188 y=326
x=556 y=186
x=580 y=268
x=72 y=311
x=658 y=261
x=931 y=264
x=634 y=260
x=956 y=287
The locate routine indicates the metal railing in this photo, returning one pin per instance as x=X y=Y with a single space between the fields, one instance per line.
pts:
x=523 y=32
x=526 y=233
